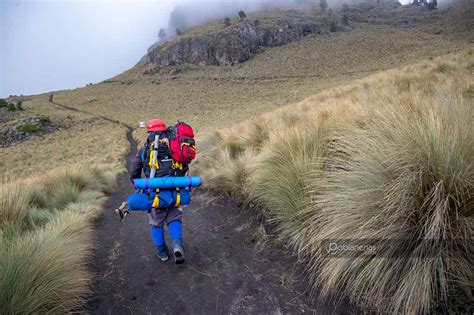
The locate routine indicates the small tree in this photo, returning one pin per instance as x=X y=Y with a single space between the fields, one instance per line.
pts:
x=19 y=105
x=227 y=21
x=242 y=15
x=11 y=107
x=162 y=34
x=345 y=20
x=323 y=4
x=333 y=27
x=3 y=103
x=256 y=23
x=179 y=32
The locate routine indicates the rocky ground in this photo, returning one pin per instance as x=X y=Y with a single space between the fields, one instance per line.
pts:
x=17 y=129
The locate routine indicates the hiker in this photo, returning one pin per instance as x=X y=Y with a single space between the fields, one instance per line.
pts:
x=175 y=149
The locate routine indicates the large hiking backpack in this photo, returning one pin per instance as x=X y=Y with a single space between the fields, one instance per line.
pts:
x=176 y=149
x=164 y=160
x=182 y=144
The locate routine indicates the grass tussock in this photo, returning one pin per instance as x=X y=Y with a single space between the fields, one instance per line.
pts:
x=388 y=158
x=45 y=239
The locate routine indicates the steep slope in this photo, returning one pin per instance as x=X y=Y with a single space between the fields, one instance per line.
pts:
x=211 y=97
x=370 y=183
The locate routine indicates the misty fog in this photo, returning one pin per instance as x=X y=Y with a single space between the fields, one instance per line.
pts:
x=53 y=45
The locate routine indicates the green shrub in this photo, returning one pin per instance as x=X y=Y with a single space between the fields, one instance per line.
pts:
x=43 y=119
x=242 y=15
x=3 y=103
x=19 y=105
x=11 y=107
x=29 y=128
x=227 y=21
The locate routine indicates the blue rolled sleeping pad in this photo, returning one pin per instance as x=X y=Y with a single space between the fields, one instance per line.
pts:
x=167 y=199
x=167 y=182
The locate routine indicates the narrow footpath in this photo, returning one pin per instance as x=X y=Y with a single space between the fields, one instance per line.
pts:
x=232 y=266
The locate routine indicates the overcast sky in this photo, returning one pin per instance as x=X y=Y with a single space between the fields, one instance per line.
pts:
x=50 y=45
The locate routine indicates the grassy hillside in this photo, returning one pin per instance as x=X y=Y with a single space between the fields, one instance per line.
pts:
x=388 y=158
x=299 y=162
x=216 y=97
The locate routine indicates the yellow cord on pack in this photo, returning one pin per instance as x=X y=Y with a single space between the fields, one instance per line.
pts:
x=178 y=198
x=176 y=165
x=150 y=162
x=156 y=201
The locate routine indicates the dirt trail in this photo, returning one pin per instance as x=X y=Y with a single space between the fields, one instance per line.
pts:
x=230 y=268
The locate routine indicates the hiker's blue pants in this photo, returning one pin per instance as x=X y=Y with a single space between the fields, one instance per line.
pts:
x=175 y=230
x=158 y=235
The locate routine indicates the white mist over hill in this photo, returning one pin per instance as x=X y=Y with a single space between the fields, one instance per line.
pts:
x=53 y=45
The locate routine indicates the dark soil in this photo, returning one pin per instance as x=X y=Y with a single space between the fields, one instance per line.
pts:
x=232 y=266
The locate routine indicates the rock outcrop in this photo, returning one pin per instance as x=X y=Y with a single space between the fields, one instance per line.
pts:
x=234 y=44
x=25 y=129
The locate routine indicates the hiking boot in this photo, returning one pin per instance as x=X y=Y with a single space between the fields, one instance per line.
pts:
x=163 y=256
x=163 y=253
x=178 y=251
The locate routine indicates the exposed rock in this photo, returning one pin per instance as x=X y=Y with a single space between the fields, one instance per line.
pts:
x=234 y=44
x=25 y=129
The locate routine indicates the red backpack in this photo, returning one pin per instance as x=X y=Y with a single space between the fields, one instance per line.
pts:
x=182 y=144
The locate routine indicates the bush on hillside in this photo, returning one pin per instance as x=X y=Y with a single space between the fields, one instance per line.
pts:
x=11 y=107
x=242 y=15
x=29 y=128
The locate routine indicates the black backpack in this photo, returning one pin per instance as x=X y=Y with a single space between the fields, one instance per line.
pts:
x=166 y=165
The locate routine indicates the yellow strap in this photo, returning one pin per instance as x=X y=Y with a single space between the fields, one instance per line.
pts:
x=156 y=202
x=178 y=199
x=177 y=165
x=150 y=162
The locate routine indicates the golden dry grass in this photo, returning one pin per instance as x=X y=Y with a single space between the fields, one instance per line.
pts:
x=210 y=98
x=214 y=97
x=386 y=157
x=81 y=140
x=42 y=222
x=46 y=239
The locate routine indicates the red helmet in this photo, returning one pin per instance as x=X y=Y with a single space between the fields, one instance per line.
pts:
x=155 y=125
